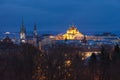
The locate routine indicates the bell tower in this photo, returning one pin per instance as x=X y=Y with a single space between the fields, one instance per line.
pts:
x=35 y=31
x=35 y=35
x=22 y=33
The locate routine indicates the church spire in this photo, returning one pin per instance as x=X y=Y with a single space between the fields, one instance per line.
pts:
x=22 y=22
x=35 y=26
x=35 y=35
x=22 y=32
x=35 y=30
x=23 y=27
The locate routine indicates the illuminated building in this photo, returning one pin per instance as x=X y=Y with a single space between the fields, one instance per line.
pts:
x=32 y=38
x=25 y=38
x=22 y=33
x=71 y=34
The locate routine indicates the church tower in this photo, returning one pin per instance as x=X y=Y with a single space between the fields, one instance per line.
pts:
x=35 y=35
x=22 y=33
x=35 y=31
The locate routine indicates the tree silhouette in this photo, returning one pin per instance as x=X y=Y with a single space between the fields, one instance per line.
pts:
x=115 y=71
x=92 y=63
x=104 y=64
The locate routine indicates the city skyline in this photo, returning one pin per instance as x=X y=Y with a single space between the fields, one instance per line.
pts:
x=59 y=15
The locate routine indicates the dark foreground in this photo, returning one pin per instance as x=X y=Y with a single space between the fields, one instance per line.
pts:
x=26 y=62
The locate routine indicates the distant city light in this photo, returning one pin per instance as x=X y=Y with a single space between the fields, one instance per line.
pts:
x=68 y=63
x=23 y=41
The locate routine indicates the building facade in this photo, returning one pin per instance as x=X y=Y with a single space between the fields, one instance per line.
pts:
x=22 y=33
x=71 y=34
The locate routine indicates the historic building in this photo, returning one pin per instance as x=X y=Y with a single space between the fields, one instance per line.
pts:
x=22 y=33
x=35 y=35
x=31 y=38
x=71 y=34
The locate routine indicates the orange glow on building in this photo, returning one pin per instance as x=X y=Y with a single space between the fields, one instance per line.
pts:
x=68 y=63
x=71 y=34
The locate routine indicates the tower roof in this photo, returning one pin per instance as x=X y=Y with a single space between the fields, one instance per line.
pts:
x=35 y=28
x=73 y=30
x=22 y=30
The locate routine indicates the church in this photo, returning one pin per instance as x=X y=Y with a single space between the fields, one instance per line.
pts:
x=27 y=38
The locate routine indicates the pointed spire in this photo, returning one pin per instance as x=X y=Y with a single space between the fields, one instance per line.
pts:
x=35 y=30
x=22 y=32
x=22 y=22
x=35 y=35
x=23 y=27
x=84 y=39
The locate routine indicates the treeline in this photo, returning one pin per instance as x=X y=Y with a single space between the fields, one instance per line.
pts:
x=64 y=62
x=17 y=61
x=58 y=62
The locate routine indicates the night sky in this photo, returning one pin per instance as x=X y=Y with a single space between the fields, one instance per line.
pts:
x=58 y=15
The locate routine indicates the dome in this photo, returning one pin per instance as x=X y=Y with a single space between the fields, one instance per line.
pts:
x=73 y=30
x=72 y=33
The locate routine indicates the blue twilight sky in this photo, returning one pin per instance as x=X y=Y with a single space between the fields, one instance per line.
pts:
x=58 y=15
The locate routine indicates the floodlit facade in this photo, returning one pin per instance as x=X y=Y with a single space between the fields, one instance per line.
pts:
x=71 y=34
x=22 y=33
